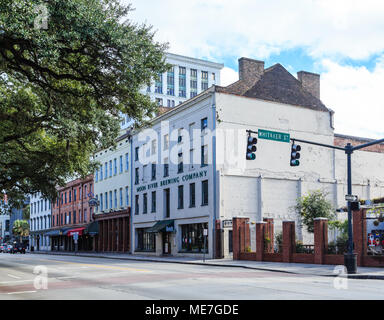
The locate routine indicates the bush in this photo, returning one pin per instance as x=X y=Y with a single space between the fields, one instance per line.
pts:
x=314 y=205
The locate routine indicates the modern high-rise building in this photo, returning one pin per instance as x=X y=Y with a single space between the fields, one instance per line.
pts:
x=186 y=79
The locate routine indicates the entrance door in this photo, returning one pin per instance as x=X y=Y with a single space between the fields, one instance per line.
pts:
x=166 y=243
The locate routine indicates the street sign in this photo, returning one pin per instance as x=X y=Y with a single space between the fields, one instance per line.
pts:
x=205 y=232
x=227 y=223
x=273 y=135
x=93 y=202
x=351 y=198
x=75 y=236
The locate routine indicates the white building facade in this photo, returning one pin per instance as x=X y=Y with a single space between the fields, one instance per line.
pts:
x=173 y=201
x=39 y=222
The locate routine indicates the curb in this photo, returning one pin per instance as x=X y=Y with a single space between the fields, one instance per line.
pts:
x=351 y=276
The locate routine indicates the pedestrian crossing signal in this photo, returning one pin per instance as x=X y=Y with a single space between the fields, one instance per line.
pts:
x=251 y=148
x=295 y=155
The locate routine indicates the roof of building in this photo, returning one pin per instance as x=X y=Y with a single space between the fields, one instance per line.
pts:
x=278 y=85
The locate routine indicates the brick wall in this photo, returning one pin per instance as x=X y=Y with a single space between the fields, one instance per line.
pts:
x=341 y=141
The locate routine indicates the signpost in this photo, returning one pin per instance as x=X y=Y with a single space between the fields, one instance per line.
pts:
x=75 y=238
x=205 y=234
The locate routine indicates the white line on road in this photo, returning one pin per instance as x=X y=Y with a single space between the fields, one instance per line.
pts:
x=19 y=292
x=12 y=276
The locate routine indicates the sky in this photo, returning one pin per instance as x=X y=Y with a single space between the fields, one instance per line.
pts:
x=341 y=40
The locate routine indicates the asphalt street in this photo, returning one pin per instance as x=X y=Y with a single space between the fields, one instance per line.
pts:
x=41 y=277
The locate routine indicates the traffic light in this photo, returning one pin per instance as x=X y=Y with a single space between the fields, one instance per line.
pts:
x=295 y=155
x=251 y=148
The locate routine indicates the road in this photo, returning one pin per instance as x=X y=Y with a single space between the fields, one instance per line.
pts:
x=40 y=277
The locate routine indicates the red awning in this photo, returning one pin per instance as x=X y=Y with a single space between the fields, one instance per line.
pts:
x=71 y=232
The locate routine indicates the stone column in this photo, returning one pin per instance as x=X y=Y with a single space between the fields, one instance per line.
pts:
x=288 y=240
x=320 y=239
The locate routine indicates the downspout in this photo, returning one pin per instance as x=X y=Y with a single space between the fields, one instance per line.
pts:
x=214 y=174
x=131 y=196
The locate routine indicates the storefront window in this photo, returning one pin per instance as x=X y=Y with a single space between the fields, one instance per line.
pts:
x=146 y=241
x=192 y=238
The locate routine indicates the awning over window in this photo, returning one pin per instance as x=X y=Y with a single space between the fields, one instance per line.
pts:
x=161 y=226
x=57 y=232
x=79 y=231
x=92 y=228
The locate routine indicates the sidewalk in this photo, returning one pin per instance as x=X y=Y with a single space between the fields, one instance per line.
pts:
x=292 y=268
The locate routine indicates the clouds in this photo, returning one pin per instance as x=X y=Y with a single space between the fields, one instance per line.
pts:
x=355 y=93
x=256 y=28
x=327 y=33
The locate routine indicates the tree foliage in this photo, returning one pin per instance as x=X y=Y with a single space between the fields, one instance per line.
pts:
x=314 y=205
x=62 y=88
x=20 y=228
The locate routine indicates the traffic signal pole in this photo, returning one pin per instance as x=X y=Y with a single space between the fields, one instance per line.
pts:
x=350 y=258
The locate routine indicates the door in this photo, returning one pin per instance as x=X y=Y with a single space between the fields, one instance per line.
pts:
x=166 y=243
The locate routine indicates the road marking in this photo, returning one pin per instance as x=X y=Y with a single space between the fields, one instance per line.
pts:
x=16 y=281
x=12 y=276
x=96 y=265
x=19 y=292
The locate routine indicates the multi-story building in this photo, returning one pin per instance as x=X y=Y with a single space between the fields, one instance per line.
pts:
x=112 y=190
x=187 y=78
x=184 y=207
x=72 y=216
x=39 y=222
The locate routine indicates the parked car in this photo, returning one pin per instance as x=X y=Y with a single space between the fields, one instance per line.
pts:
x=3 y=247
x=18 y=247
x=8 y=249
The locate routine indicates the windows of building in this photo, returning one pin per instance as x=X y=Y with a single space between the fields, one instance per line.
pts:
x=121 y=197
x=182 y=82
x=180 y=194
x=101 y=173
x=192 y=236
x=204 y=80
x=213 y=77
x=166 y=142
x=85 y=215
x=126 y=162
x=193 y=83
x=180 y=135
x=121 y=164
x=192 y=195
x=126 y=197
x=106 y=200
x=110 y=200
x=204 y=193
x=153 y=171
x=145 y=203
x=136 y=175
x=204 y=123
x=97 y=175
x=106 y=170
x=146 y=241
x=115 y=198
x=180 y=165
x=153 y=202
x=110 y=168
x=74 y=194
x=191 y=161
x=171 y=82
x=74 y=217
x=136 y=204
x=204 y=155
x=167 y=203
x=101 y=202
x=159 y=102
x=159 y=83
x=115 y=166
x=166 y=167
x=170 y=103
x=153 y=147
x=136 y=153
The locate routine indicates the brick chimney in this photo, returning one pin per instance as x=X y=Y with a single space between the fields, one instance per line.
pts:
x=310 y=82
x=250 y=70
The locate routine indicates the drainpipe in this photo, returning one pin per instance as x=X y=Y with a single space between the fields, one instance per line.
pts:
x=214 y=175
